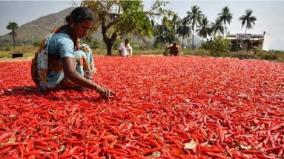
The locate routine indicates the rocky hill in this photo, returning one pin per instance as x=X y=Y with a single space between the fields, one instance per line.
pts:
x=39 y=28
x=34 y=31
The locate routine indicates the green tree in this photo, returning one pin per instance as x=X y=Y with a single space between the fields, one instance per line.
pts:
x=204 y=29
x=167 y=30
x=162 y=32
x=248 y=20
x=13 y=26
x=194 y=18
x=183 y=29
x=218 y=46
x=118 y=18
x=217 y=28
x=173 y=26
x=225 y=17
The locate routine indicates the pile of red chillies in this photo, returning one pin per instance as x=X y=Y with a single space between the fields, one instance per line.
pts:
x=166 y=107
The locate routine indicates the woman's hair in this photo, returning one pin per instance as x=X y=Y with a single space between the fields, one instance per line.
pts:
x=79 y=14
x=126 y=41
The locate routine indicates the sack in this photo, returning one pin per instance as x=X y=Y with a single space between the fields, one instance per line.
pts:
x=39 y=67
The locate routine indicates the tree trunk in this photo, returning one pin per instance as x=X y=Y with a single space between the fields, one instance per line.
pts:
x=193 y=29
x=109 y=41
x=14 y=38
x=109 y=45
x=192 y=41
x=226 y=32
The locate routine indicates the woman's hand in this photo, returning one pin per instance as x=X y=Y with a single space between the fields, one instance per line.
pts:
x=107 y=93
x=78 y=79
x=104 y=92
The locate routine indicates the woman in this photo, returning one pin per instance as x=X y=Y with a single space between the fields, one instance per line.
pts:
x=125 y=49
x=62 y=61
x=174 y=51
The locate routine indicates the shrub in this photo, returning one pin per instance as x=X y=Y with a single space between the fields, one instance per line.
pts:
x=93 y=43
x=243 y=56
x=217 y=46
x=36 y=43
x=116 y=44
x=8 y=48
x=277 y=51
x=266 y=55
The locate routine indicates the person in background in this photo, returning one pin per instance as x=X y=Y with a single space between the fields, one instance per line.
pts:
x=125 y=49
x=63 y=62
x=173 y=49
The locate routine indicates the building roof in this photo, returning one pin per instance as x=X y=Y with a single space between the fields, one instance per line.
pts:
x=245 y=37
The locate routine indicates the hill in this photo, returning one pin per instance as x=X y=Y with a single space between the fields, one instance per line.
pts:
x=37 y=29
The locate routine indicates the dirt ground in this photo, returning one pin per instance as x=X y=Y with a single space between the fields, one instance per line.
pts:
x=15 y=59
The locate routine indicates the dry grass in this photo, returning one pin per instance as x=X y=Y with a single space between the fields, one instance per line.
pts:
x=27 y=50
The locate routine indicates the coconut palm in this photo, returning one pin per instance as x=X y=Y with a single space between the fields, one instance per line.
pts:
x=217 y=28
x=183 y=30
x=204 y=28
x=173 y=26
x=175 y=20
x=248 y=19
x=225 y=17
x=194 y=17
x=13 y=26
x=162 y=32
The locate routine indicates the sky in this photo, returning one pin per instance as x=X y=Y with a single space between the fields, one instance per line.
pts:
x=268 y=13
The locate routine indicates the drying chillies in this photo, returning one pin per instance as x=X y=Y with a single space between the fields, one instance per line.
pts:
x=166 y=107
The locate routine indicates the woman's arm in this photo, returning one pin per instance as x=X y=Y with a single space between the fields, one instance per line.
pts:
x=130 y=49
x=68 y=64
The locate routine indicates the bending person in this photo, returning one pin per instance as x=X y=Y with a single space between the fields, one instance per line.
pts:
x=125 y=49
x=62 y=61
x=173 y=49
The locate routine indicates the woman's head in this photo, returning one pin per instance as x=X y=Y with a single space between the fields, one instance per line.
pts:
x=126 y=41
x=80 y=21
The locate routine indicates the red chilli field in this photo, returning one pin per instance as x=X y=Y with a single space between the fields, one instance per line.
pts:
x=166 y=107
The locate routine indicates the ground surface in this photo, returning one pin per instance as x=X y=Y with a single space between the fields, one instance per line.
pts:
x=167 y=107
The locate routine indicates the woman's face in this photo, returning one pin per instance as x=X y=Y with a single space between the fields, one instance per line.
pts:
x=81 y=29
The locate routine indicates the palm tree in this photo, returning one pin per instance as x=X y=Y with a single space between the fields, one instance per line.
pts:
x=217 y=27
x=225 y=17
x=204 y=28
x=173 y=27
x=175 y=20
x=13 y=26
x=248 y=20
x=162 y=32
x=194 y=17
x=183 y=30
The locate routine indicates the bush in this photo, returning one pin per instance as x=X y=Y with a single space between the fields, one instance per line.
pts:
x=266 y=55
x=8 y=48
x=259 y=54
x=277 y=51
x=36 y=43
x=269 y=57
x=116 y=44
x=93 y=43
x=217 y=46
x=243 y=56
